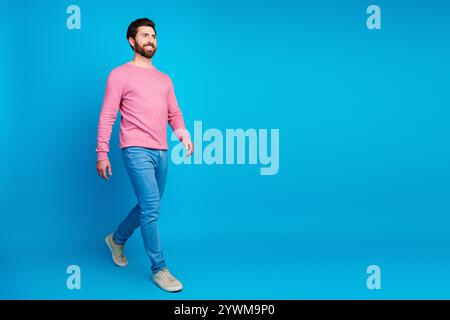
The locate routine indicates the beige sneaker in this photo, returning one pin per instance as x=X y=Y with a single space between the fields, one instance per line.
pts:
x=166 y=281
x=116 y=251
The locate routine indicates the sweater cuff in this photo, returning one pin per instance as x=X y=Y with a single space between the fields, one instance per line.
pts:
x=102 y=155
x=182 y=134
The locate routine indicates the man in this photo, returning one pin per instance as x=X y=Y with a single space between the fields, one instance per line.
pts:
x=146 y=99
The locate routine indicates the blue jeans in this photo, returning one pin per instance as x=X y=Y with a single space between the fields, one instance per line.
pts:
x=147 y=169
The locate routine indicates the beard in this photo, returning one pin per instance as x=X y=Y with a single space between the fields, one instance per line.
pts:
x=145 y=51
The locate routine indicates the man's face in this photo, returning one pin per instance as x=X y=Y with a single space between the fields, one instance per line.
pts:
x=145 y=42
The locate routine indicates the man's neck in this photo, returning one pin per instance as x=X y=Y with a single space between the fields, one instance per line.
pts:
x=141 y=61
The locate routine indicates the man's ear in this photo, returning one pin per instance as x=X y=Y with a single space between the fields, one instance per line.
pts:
x=131 y=41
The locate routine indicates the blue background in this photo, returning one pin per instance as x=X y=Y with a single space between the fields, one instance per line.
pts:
x=364 y=150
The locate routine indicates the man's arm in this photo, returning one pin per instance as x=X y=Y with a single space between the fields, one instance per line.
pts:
x=176 y=121
x=108 y=115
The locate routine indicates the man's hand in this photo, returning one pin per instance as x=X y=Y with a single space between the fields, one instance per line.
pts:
x=102 y=166
x=189 y=147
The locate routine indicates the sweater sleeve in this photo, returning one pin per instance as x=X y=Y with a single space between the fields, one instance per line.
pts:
x=108 y=115
x=175 y=117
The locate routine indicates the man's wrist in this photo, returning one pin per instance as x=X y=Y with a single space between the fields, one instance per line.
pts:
x=102 y=155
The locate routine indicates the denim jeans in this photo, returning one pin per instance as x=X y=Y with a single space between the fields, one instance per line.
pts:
x=147 y=169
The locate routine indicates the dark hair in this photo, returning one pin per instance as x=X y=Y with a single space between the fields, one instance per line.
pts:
x=133 y=27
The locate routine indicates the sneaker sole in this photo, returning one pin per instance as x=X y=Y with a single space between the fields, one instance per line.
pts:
x=177 y=289
x=112 y=255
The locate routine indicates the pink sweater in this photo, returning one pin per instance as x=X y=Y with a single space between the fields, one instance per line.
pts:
x=146 y=100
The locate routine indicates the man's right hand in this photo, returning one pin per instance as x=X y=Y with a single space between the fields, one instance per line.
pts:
x=102 y=166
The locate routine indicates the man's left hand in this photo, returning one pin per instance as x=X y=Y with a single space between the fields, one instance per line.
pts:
x=189 y=147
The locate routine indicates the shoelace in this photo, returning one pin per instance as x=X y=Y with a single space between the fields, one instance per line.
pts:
x=166 y=274
x=118 y=252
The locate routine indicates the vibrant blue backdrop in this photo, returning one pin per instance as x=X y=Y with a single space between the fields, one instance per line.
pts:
x=364 y=150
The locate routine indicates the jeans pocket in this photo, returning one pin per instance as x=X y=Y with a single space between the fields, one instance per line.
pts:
x=129 y=153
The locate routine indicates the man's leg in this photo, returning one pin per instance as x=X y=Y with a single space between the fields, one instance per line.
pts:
x=162 y=276
x=127 y=226
x=145 y=170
